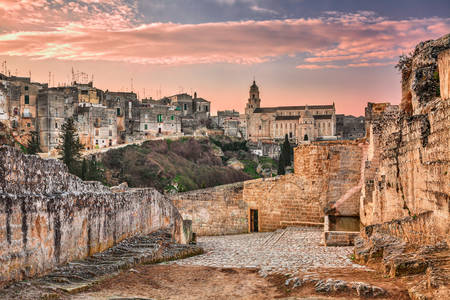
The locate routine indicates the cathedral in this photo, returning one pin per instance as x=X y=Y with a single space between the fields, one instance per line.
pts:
x=300 y=123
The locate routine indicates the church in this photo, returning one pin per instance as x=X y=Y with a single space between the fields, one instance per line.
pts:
x=300 y=123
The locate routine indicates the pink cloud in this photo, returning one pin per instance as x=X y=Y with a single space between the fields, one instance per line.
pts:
x=334 y=41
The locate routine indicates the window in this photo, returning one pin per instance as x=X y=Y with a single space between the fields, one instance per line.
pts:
x=96 y=132
x=145 y=126
x=259 y=127
x=185 y=106
x=26 y=88
x=159 y=118
x=118 y=111
x=27 y=99
x=56 y=125
x=28 y=125
x=110 y=133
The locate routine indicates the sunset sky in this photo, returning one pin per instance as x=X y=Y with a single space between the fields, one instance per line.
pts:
x=299 y=51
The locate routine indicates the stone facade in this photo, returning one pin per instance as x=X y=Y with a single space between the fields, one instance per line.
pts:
x=18 y=105
x=97 y=126
x=350 y=127
x=298 y=122
x=50 y=217
x=54 y=106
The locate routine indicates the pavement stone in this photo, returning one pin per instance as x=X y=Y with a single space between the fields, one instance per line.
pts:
x=283 y=251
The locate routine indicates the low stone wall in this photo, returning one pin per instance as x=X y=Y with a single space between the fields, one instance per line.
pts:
x=214 y=211
x=340 y=238
x=49 y=217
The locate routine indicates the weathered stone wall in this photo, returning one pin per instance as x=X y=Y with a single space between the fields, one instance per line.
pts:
x=214 y=211
x=49 y=217
x=407 y=170
x=326 y=175
x=444 y=73
x=410 y=172
x=331 y=172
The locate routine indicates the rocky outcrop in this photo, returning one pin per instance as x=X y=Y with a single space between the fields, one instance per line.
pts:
x=405 y=197
x=49 y=217
x=420 y=74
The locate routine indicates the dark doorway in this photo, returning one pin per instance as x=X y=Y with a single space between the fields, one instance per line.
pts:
x=253 y=220
x=159 y=130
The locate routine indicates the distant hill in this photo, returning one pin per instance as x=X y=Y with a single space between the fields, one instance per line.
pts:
x=176 y=165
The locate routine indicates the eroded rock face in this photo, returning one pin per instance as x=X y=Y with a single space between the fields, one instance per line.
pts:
x=420 y=74
x=49 y=217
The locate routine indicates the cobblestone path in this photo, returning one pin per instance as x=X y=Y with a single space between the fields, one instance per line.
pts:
x=283 y=251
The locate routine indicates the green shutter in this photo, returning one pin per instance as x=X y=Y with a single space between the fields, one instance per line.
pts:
x=27 y=99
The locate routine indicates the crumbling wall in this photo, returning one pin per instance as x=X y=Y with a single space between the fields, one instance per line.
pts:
x=49 y=217
x=407 y=171
x=410 y=173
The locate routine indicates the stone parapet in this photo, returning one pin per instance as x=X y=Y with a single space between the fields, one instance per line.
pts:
x=56 y=218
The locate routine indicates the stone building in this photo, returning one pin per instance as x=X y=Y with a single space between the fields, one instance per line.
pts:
x=350 y=127
x=54 y=106
x=18 y=105
x=97 y=126
x=87 y=93
x=308 y=122
x=155 y=119
x=122 y=103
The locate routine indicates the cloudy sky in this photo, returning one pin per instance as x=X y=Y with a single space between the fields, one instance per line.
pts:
x=299 y=51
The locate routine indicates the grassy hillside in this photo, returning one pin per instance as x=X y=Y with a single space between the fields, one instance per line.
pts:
x=167 y=165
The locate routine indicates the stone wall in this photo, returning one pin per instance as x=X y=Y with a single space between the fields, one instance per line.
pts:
x=331 y=172
x=214 y=211
x=49 y=217
x=326 y=175
x=407 y=171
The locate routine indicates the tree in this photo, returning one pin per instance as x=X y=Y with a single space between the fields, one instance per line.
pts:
x=287 y=151
x=281 y=164
x=70 y=146
x=33 y=144
x=285 y=156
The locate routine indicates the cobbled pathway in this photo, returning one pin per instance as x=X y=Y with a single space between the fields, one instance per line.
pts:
x=283 y=251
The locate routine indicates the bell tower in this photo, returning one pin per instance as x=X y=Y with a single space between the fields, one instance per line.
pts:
x=253 y=100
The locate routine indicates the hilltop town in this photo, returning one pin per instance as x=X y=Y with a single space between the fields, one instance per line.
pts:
x=106 y=119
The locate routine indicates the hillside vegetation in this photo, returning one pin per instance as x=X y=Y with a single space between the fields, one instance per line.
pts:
x=179 y=165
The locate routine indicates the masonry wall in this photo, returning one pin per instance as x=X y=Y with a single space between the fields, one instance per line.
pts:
x=326 y=175
x=331 y=174
x=49 y=217
x=214 y=211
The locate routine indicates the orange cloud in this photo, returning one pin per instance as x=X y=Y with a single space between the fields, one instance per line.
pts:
x=336 y=40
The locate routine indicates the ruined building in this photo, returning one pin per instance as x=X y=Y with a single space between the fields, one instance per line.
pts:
x=350 y=127
x=309 y=122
